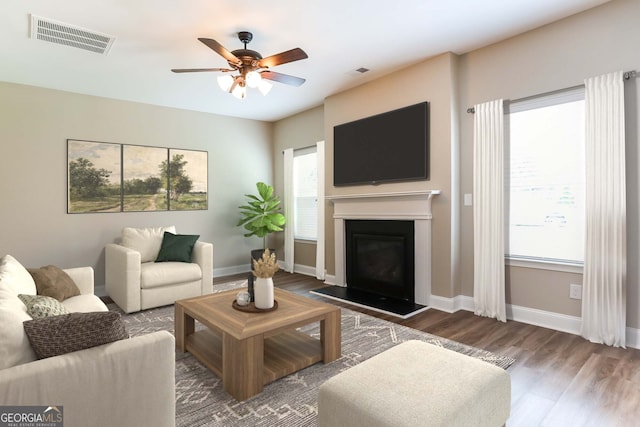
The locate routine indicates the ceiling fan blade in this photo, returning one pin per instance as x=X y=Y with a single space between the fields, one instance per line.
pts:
x=282 y=78
x=282 y=58
x=220 y=50
x=198 y=70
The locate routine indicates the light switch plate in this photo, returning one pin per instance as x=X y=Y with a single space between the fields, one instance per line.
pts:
x=575 y=291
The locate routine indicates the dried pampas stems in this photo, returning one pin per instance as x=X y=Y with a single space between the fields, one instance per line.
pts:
x=266 y=266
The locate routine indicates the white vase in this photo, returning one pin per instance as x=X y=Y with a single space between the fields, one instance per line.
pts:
x=263 y=292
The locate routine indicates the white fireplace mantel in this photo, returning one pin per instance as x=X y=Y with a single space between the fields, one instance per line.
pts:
x=408 y=205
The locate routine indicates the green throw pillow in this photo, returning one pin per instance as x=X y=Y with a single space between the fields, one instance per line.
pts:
x=40 y=306
x=176 y=247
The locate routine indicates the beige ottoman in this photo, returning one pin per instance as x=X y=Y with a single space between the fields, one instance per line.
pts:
x=416 y=384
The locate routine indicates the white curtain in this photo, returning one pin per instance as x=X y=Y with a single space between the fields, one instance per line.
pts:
x=320 y=241
x=605 y=262
x=488 y=210
x=288 y=210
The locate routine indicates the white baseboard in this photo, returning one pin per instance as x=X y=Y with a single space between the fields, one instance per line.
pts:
x=237 y=269
x=531 y=316
x=545 y=319
x=633 y=337
x=308 y=270
x=304 y=269
x=330 y=279
x=100 y=290
x=229 y=271
x=442 y=303
x=451 y=305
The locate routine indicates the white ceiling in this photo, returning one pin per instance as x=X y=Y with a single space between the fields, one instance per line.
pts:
x=153 y=36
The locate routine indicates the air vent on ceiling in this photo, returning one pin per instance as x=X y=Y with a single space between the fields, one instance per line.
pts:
x=358 y=72
x=70 y=35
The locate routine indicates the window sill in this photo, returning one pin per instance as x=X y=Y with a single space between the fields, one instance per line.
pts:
x=545 y=265
x=307 y=241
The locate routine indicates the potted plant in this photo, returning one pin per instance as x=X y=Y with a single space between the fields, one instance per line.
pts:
x=261 y=216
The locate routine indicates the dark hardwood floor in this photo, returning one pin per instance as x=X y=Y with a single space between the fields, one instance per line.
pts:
x=558 y=379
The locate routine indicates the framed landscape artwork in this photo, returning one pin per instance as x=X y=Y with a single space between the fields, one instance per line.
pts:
x=107 y=177
x=93 y=177
x=188 y=175
x=143 y=188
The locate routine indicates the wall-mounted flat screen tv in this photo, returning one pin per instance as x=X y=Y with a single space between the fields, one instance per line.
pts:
x=388 y=147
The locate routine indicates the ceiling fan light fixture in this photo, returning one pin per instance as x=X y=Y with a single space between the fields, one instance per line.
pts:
x=264 y=87
x=240 y=91
x=225 y=82
x=253 y=79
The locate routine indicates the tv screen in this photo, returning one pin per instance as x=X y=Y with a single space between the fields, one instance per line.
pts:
x=388 y=147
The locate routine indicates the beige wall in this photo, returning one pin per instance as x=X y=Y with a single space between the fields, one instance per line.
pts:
x=34 y=126
x=430 y=81
x=298 y=131
x=553 y=57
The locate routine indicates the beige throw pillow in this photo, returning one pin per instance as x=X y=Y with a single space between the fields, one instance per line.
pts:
x=53 y=282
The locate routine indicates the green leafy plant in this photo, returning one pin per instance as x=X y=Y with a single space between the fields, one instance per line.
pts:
x=261 y=215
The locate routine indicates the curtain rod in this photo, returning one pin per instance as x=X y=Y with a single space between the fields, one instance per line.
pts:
x=628 y=75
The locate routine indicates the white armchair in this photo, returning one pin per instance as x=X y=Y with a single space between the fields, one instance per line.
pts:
x=135 y=282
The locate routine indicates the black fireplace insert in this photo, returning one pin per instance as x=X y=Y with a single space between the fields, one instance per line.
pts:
x=380 y=257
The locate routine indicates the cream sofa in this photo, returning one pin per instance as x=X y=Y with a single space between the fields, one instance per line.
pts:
x=135 y=282
x=124 y=383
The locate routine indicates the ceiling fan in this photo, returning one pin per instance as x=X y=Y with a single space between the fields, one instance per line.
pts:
x=253 y=69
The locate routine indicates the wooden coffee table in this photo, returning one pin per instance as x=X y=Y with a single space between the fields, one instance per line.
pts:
x=249 y=350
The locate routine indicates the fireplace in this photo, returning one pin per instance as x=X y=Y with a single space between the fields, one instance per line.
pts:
x=380 y=257
x=398 y=207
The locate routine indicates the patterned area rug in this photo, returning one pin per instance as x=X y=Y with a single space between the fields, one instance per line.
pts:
x=290 y=401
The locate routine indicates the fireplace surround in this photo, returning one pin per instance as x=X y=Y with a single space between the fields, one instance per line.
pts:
x=412 y=206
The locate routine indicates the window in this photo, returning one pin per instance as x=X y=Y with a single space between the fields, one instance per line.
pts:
x=546 y=179
x=305 y=194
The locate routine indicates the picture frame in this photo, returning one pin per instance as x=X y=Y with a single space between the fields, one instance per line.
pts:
x=106 y=177
x=187 y=169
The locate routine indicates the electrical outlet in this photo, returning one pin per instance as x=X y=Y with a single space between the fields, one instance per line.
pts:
x=575 y=291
